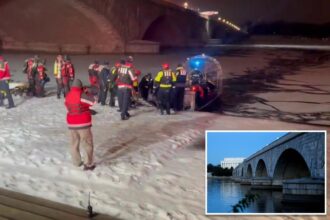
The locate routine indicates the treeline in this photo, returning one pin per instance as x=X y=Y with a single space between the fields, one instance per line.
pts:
x=219 y=171
x=290 y=29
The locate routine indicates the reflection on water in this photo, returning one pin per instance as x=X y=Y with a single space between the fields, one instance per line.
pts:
x=222 y=194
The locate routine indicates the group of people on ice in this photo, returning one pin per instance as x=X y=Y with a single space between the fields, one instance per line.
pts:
x=35 y=71
x=120 y=81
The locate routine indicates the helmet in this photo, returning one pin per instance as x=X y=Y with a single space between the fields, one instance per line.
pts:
x=165 y=66
x=117 y=64
x=137 y=72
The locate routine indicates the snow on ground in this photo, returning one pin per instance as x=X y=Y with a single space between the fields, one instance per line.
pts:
x=36 y=160
x=151 y=166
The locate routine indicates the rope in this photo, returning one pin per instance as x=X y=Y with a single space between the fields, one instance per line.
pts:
x=208 y=103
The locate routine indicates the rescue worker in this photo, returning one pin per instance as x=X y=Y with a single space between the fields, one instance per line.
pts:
x=41 y=79
x=135 y=90
x=165 y=80
x=79 y=121
x=4 y=83
x=181 y=78
x=30 y=69
x=69 y=69
x=58 y=76
x=113 y=88
x=125 y=81
x=104 y=82
x=146 y=86
x=65 y=78
x=93 y=73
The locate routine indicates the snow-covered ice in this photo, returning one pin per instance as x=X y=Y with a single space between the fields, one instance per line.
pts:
x=149 y=167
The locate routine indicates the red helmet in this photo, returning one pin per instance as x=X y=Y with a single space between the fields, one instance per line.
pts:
x=137 y=72
x=117 y=65
x=165 y=66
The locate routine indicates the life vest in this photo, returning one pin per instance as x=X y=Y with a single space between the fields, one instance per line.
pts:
x=41 y=72
x=165 y=78
x=181 y=75
x=125 y=77
x=58 y=69
x=4 y=70
x=31 y=68
x=94 y=74
x=70 y=69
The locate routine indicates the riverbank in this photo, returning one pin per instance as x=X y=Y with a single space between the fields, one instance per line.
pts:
x=220 y=177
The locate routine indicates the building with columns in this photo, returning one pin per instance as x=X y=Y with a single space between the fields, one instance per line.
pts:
x=231 y=162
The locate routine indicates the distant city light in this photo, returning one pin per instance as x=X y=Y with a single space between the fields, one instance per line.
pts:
x=186 y=5
x=212 y=15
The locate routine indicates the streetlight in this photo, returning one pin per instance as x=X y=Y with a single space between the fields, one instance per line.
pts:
x=186 y=5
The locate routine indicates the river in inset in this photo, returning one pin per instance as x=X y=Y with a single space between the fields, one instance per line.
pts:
x=222 y=194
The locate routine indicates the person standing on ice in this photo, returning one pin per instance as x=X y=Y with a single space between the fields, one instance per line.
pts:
x=30 y=69
x=104 y=79
x=165 y=81
x=125 y=81
x=79 y=120
x=94 y=78
x=58 y=76
x=70 y=69
x=4 y=83
x=113 y=84
x=41 y=79
x=145 y=86
x=180 y=85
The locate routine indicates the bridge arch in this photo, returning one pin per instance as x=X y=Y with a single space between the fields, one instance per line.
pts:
x=261 y=170
x=160 y=30
x=291 y=165
x=249 y=173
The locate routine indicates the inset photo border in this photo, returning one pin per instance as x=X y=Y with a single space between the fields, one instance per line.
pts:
x=266 y=172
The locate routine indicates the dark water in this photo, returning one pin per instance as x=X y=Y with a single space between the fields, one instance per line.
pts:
x=223 y=194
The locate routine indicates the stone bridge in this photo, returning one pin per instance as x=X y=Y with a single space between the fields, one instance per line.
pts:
x=295 y=162
x=102 y=26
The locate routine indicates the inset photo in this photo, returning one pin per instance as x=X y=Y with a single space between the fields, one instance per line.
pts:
x=265 y=172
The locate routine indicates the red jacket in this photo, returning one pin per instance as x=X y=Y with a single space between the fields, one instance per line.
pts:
x=4 y=70
x=77 y=104
x=70 y=69
x=93 y=72
x=41 y=72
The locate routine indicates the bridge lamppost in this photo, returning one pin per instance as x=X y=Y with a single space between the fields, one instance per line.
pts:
x=186 y=5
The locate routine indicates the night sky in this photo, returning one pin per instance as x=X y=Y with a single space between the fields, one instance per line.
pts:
x=242 y=11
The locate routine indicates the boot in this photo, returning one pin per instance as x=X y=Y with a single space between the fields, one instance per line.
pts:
x=89 y=167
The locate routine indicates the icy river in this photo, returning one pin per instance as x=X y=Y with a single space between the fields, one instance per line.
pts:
x=222 y=194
